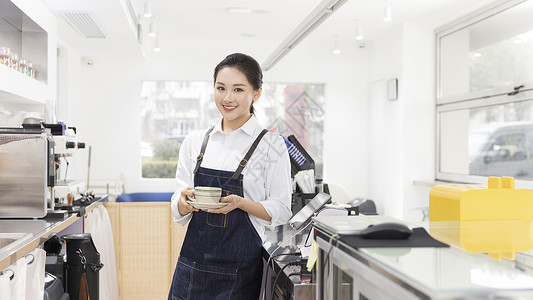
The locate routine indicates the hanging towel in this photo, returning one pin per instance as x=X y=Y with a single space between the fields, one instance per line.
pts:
x=36 y=261
x=16 y=286
x=108 y=275
x=5 y=287
x=98 y=225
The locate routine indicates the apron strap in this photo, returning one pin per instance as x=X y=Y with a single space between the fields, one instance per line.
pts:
x=202 y=150
x=244 y=161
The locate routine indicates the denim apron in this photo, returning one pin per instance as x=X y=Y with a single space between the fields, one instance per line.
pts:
x=221 y=254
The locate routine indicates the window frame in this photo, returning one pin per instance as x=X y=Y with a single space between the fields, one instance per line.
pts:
x=467 y=100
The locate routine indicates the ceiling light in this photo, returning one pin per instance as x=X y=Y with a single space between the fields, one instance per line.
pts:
x=156 y=45
x=151 y=32
x=336 y=49
x=325 y=9
x=147 y=9
x=359 y=36
x=388 y=13
x=239 y=10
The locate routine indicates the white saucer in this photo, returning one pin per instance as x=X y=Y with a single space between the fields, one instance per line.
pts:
x=205 y=205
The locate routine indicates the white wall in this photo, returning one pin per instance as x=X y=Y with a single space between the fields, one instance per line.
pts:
x=385 y=134
x=419 y=116
x=105 y=107
x=346 y=121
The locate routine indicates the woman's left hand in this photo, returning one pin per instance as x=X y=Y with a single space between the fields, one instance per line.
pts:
x=233 y=202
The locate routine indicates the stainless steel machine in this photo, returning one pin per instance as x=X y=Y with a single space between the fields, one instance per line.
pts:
x=66 y=144
x=27 y=172
x=33 y=170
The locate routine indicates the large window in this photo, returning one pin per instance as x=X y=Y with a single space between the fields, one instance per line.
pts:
x=172 y=109
x=485 y=95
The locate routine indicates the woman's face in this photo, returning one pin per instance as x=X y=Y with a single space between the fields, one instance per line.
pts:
x=234 y=95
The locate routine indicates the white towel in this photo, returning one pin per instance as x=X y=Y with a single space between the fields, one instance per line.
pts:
x=35 y=274
x=5 y=288
x=110 y=275
x=98 y=225
x=15 y=289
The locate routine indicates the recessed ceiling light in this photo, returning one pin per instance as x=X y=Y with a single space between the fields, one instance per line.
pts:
x=248 y=35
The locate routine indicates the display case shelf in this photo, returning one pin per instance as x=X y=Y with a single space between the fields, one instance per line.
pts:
x=29 y=29
x=17 y=87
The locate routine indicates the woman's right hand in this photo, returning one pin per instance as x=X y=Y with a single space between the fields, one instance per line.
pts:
x=184 y=207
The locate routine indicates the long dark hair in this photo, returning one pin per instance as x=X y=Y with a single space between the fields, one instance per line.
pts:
x=247 y=65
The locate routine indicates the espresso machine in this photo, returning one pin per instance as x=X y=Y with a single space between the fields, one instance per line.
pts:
x=34 y=162
x=66 y=145
x=27 y=172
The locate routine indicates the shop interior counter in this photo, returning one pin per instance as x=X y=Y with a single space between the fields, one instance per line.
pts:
x=18 y=237
x=485 y=260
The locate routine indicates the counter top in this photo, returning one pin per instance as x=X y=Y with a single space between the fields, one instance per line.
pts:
x=33 y=232
x=461 y=270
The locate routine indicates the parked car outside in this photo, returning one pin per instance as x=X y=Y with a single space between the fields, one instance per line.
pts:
x=504 y=150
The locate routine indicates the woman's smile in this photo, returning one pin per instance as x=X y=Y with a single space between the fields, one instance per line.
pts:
x=228 y=107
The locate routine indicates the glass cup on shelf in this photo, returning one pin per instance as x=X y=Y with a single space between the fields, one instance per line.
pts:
x=31 y=70
x=5 y=56
x=23 y=66
x=15 y=61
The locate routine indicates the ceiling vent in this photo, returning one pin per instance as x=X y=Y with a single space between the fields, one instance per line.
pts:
x=84 y=24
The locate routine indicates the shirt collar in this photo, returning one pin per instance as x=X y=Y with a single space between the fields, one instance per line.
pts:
x=248 y=127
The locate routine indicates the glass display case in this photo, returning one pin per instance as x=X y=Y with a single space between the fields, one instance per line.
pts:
x=455 y=272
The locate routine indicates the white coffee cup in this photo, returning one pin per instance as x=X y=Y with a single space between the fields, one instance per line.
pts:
x=206 y=194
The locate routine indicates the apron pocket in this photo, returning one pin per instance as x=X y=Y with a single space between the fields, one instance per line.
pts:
x=217 y=220
x=197 y=281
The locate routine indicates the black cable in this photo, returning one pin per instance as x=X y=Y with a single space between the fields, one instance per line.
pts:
x=292 y=263
x=307 y=238
x=271 y=254
x=275 y=280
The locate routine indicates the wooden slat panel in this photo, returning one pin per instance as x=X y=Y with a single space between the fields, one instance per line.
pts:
x=145 y=244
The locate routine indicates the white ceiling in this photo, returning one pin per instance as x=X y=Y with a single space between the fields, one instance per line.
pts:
x=186 y=24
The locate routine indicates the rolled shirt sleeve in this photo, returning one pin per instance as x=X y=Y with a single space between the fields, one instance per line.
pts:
x=184 y=177
x=278 y=187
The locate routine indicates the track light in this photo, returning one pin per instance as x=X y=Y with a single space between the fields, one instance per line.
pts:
x=239 y=10
x=151 y=32
x=147 y=9
x=156 y=45
x=323 y=11
x=388 y=13
x=336 y=49
x=359 y=32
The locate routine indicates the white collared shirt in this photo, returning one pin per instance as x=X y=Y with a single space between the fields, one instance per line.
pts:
x=266 y=177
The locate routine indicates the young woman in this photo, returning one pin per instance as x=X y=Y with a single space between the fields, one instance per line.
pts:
x=221 y=254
